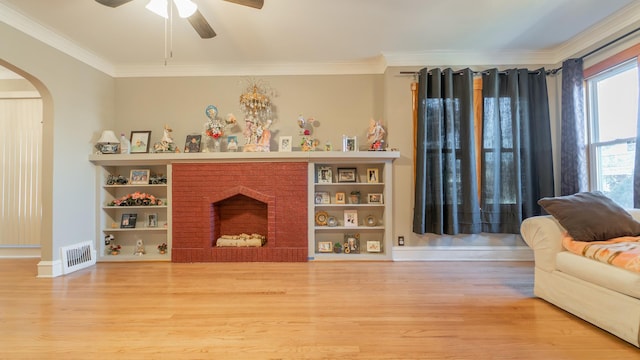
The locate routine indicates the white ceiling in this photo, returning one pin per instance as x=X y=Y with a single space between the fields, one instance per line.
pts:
x=321 y=36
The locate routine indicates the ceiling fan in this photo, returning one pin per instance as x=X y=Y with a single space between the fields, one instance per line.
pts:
x=186 y=9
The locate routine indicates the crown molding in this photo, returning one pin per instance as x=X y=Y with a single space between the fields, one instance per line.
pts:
x=370 y=66
x=465 y=58
x=606 y=29
x=20 y=22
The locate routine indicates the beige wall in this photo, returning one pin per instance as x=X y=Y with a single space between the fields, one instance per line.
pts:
x=340 y=104
x=78 y=102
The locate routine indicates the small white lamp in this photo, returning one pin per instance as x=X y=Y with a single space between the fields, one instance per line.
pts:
x=108 y=143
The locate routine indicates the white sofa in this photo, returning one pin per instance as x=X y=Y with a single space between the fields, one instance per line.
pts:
x=602 y=294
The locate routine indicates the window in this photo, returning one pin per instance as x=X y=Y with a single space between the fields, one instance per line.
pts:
x=612 y=98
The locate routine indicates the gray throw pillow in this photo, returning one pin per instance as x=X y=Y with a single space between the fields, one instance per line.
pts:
x=591 y=216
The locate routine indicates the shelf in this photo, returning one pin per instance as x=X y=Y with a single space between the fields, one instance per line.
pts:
x=349 y=184
x=134 y=186
x=342 y=228
x=134 y=207
x=349 y=205
x=146 y=257
x=134 y=229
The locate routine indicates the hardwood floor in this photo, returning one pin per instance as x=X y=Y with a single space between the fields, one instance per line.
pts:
x=318 y=310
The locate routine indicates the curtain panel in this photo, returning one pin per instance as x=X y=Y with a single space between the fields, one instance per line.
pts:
x=573 y=156
x=517 y=162
x=446 y=199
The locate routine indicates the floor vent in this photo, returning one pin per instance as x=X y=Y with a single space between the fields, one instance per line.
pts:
x=77 y=256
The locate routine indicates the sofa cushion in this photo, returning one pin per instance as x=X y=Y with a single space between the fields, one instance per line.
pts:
x=591 y=216
x=605 y=275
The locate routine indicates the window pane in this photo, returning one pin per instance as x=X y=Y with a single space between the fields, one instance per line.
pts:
x=617 y=105
x=615 y=171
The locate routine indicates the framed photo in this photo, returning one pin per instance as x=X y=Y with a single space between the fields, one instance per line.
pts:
x=128 y=221
x=349 y=143
x=351 y=218
x=192 y=144
x=232 y=143
x=325 y=175
x=139 y=176
x=152 y=220
x=372 y=176
x=340 y=198
x=351 y=243
x=140 y=141
x=347 y=175
x=325 y=246
x=285 y=143
x=322 y=197
x=375 y=198
x=373 y=246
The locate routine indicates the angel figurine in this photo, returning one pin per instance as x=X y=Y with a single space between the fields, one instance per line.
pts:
x=375 y=135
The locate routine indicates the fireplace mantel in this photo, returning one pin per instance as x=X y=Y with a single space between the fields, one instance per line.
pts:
x=169 y=158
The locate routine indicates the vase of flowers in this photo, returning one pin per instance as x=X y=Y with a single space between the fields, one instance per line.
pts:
x=115 y=249
x=162 y=248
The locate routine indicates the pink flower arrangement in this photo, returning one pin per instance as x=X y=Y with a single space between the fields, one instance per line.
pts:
x=136 y=199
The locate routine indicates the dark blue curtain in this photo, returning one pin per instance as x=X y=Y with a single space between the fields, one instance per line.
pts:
x=446 y=200
x=636 y=169
x=517 y=161
x=573 y=155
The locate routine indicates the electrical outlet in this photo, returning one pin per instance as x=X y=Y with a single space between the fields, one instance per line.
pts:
x=400 y=240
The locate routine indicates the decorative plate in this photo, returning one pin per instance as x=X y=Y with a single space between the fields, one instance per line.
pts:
x=321 y=218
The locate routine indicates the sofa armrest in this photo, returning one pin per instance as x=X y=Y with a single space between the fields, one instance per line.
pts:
x=543 y=234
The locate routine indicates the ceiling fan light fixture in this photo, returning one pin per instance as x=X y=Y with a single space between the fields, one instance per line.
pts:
x=186 y=8
x=158 y=7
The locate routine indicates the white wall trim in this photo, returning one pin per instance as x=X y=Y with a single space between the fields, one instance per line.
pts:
x=49 y=269
x=19 y=95
x=20 y=22
x=462 y=253
x=18 y=252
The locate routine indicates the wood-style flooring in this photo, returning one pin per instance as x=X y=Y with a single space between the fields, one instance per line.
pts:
x=317 y=310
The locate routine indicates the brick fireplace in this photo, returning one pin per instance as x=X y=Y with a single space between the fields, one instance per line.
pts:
x=213 y=199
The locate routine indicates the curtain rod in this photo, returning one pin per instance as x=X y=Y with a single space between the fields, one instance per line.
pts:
x=554 y=71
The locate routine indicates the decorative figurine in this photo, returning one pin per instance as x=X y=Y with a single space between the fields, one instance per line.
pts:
x=256 y=105
x=375 y=136
x=166 y=144
x=139 y=248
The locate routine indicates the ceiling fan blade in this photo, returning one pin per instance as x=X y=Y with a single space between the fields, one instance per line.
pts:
x=201 y=25
x=256 y=4
x=113 y=3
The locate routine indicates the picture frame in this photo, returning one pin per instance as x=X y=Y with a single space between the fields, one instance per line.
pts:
x=351 y=218
x=325 y=246
x=341 y=198
x=140 y=141
x=285 y=143
x=325 y=175
x=375 y=198
x=347 y=175
x=232 y=143
x=152 y=220
x=351 y=244
x=373 y=246
x=139 y=176
x=322 y=197
x=372 y=176
x=192 y=143
x=349 y=143
x=128 y=221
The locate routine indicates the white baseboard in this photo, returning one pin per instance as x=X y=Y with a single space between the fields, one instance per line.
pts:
x=49 y=269
x=462 y=253
x=17 y=252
